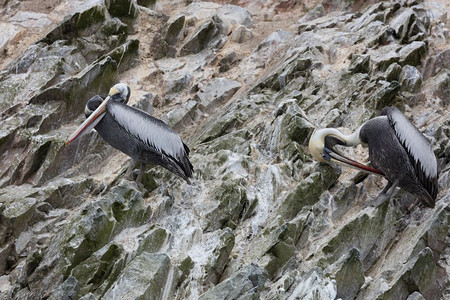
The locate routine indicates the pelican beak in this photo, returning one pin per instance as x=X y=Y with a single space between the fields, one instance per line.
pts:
x=331 y=154
x=90 y=122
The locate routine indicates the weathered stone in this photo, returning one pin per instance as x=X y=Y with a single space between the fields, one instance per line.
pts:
x=101 y=266
x=350 y=277
x=96 y=78
x=360 y=64
x=385 y=94
x=220 y=257
x=121 y=8
x=216 y=92
x=441 y=86
x=10 y=33
x=173 y=29
x=436 y=64
x=249 y=281
x=410 y=79
x=309 y=190
x=241 y=34
x=182 y=115
x=31 y=19
x=69 y=289
x=233 y=15
x=393 y=72
x=402 y=22
x=412 y=53
x=82 y=23
x=384 y=57
x=148 y=274
x=415 y=296
x=230 y=201
x=227 y=60
x=209 y=34
x=236 y=141
x=146 y=3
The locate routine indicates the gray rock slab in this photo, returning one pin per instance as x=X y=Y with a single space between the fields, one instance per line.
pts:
x=144 y=278
x=216 y=92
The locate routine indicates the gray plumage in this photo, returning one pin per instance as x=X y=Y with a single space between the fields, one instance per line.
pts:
x=402 y=153
x=141 y=136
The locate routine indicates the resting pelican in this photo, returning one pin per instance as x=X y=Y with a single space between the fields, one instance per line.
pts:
x=144 y=138
x=397 y=150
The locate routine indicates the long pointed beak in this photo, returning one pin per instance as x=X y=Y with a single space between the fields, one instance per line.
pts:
x=89 y=123
x=333 y=155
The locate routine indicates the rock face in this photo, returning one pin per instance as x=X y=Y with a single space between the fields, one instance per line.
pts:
x=245 y=86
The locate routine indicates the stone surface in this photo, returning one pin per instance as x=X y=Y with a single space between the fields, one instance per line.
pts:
x=144 y=277
x=260 y=219
x=410 y=79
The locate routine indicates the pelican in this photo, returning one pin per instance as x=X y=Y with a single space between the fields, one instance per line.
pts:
x=142 y=137
x=397 y=150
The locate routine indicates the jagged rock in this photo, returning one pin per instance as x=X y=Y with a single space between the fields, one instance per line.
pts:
x=69 y=289
x=149 y=274
x=220 y=257
x=410 y=79
x=82 y=23
x=385 y=94
x=241 y=34
x=227 y=60
x=208 y=34
x=317 y=12
x=216 y=92
x=96 y=78
x=121 y=8
x=230 y=202
x=182 y=115
x=232 y=16
x=314 y=285
x=384 y=57
x=393 y=72
x=236 y=141
x=177 y=81
x=10 y=33
x=172 y=33
x=245 y=284
x=146 y=3
x=360 y=64
x=256 y=195
x=100 y=270
x=412 y=53
x=436 y=64
x=350 y=277
x=309 y=190
x=402 y=22
x=415 y=296
x=441 y=86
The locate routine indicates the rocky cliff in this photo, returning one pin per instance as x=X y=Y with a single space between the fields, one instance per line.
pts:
x=244 y=85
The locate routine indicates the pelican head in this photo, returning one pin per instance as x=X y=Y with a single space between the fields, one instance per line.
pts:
x=95 y=109
x=120 y=92
x=323 y=141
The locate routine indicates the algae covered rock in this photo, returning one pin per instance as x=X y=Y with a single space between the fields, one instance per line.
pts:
x=309 y=190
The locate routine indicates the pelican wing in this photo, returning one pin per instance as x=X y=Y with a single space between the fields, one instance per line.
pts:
x=151 y=131
x=417 y=147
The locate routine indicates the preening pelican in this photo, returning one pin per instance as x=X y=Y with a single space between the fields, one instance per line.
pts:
x=397 y=150
x=144 y=138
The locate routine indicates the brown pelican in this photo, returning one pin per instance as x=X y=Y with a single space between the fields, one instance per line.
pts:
x=144 y=138
x=397 y=150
